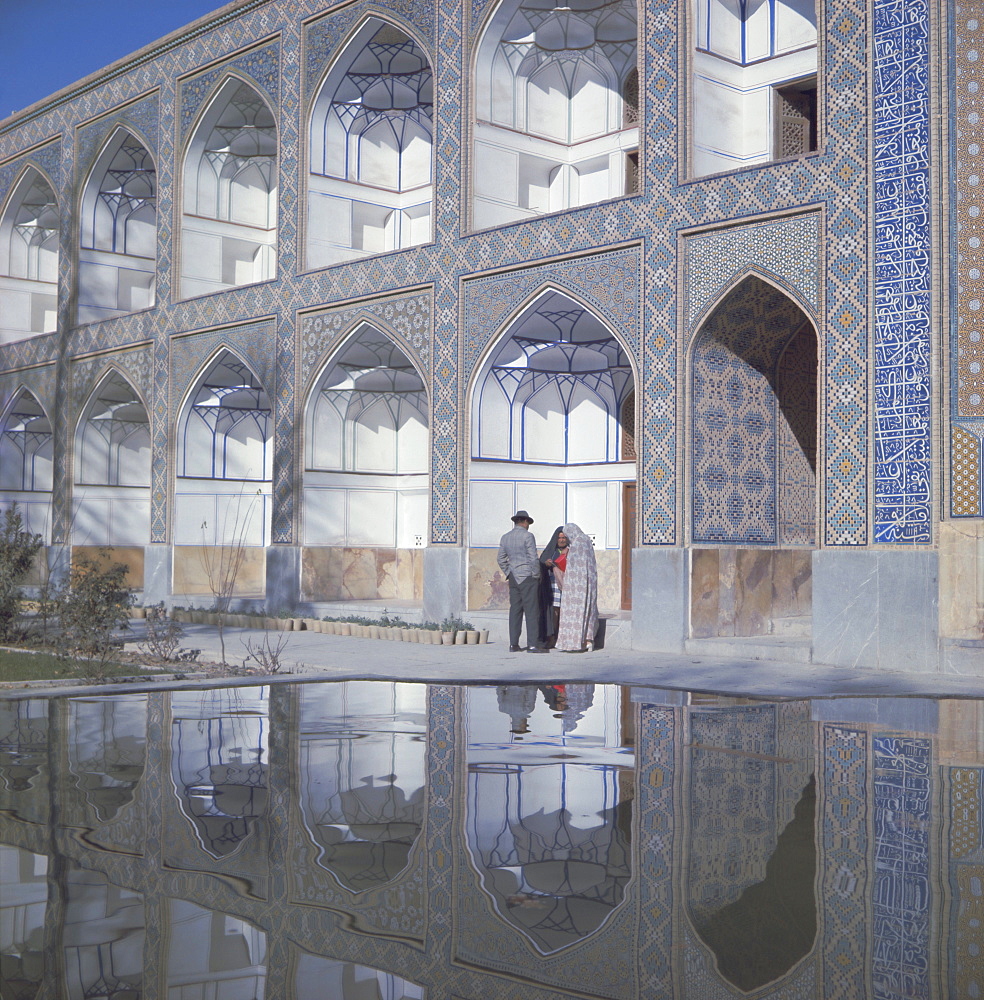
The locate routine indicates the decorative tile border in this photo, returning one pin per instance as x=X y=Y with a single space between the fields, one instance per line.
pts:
x=903 y=390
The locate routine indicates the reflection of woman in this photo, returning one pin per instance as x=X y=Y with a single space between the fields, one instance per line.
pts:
x=553 y=562
x=579 y=608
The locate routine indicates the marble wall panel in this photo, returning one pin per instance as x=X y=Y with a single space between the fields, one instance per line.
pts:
x=131 y=556
x=190 y=579
x=962 y=579
x=336 y=573
x=746 y=592
x=488 y=589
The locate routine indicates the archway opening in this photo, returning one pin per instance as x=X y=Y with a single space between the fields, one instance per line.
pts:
x=118 y=238
x=556 y=109
x=366 y=478
x=370 y=187
x=754 y=71
x=548 y=436
x=26 y=462
x=754 y=464
x=223 y=484
x=229 y=224
x=29 y=260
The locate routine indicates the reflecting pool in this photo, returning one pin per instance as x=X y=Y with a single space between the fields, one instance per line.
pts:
x=377 y=841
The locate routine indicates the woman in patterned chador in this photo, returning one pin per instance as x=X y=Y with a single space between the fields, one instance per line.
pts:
x=553 y=562
x=579 y=603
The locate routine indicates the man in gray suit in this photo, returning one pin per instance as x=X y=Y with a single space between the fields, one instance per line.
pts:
x=521 y=567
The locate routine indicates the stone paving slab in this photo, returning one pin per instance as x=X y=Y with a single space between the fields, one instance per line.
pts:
x=310 y=654
x=313 y=655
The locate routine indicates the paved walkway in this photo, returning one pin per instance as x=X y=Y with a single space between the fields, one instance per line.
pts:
x=312 y=654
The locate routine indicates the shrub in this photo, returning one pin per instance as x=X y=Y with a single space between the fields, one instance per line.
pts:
x=95 y=604
x=163 y=635
x=17 y=551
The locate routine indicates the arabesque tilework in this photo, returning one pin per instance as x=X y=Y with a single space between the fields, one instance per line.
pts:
x=965 y=109
x=965 y=794
x=653 y=265
x=903 y=391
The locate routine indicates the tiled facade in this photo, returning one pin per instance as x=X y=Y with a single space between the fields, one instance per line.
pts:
x=865 y=240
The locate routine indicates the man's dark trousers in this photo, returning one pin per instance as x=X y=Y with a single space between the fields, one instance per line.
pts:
x=524 y=598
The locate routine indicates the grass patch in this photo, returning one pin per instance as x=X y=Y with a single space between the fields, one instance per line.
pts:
x=17 y=666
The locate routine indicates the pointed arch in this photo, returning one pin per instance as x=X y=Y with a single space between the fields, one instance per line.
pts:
x=112 y=465
x=366 y=433
x=118 y=230
x=27 y=460
x=225 y=424
x=753 y=409
x=25 y=445
x=112 y=437
x=224 y=455
x=764 y=275
x=29 y=253
x=370 y=156
x=551 y=129
x=230 y=177
x=547 y=399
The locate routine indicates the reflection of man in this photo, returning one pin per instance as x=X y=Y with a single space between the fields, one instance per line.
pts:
x=517 y=701
x=520 y=565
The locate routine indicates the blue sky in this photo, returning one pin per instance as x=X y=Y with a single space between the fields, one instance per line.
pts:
x=48 y=44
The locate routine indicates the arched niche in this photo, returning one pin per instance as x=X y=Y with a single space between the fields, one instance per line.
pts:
x=112 y=467
x=556 y=108
x=224 y=458
x=219 y=764
x=363 y=777
x=118 y=231
x=550 y=797
x=754 y=418
x=547 y=406
x=29 y=233
x=367 y=447
x=229 y=220
x=26 y=463
x=754 y=69
x=370 y=184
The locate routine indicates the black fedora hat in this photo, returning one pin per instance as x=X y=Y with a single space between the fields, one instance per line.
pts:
x=521 y=515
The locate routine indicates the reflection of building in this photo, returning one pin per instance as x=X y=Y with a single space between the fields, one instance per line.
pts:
x=642 y=852
x=355 y=282
x=362 y=777
x=218 y=764
x=108 y=750
x=23 y=900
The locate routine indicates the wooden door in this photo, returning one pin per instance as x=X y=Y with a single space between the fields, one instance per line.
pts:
x=628 y=541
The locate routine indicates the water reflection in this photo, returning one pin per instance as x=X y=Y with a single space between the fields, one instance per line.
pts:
x=107 y=750
x=387 y=841
x=24 y=758
x=363 y=774
x=752 y=851
x=550 y=807
x=218 y=763
x=23 y=902
x=103 y=938
x=327 y=977
x=214 y=955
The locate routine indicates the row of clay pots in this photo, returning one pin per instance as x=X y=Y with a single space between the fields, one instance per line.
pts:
x=392 y=632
